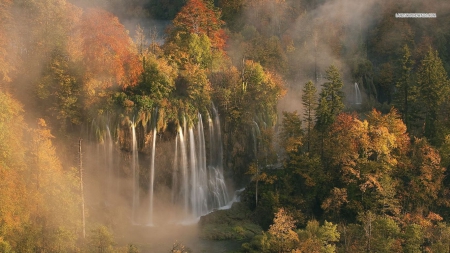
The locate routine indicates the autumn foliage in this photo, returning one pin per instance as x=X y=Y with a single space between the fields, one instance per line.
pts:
x=198 y=18
x=380 y=178
x=109 y=54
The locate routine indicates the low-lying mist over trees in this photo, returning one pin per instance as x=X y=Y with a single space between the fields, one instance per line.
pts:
x=333 y=115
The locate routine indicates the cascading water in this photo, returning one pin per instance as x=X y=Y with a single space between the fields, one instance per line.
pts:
x=184 y=170
x=152 y=176
x=202 y=176
x=193 y=170
x=216 y=180
x=152 y=169
x=358 y=99
x=109 y=161
x=198 y=185
x=135 y=169
x=175 y=170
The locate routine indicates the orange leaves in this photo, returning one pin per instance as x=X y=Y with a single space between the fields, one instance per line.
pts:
x=14 y=209
x=380 y=138
x=109 y=54
x=196 y=17
x=347 y=137
x=282 y=231
x=427 y=172
x=5 y=65
x=338 y=197
x=376 y=155
x=368 y=151
x=394 y=125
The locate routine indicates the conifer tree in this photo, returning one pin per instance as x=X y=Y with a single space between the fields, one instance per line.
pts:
x=330 y=102
x=433 y=85
x=331 y=99
x=309 y=99
x=402 y=99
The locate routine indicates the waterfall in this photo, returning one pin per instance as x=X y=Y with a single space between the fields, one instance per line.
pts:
x=135 y=169
x=358 y=99
x=152 y=175
x=175 y=171
x=152 y=166
x=193 y=169
x=212 y=139
x=109 y=161
x=202 y=186
x=218 y=188
x=198 y=185
x=255 y=134
x=184 y=168
x=219 y=157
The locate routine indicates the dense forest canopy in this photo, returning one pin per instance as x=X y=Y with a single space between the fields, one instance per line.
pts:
x=334 y=114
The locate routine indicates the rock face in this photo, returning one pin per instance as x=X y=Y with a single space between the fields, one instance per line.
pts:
x=232 y=224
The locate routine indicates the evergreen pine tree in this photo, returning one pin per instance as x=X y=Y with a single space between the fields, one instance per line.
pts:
x=330 y=100
x=402 y=99
x=309 y=101
x=433 y=86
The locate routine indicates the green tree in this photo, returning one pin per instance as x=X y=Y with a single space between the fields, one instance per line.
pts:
x=231 y=10
x=60 y=91
x=402 y=99
x=440 y=239
x=190 y=49
x=331 y=102
x=198 y=87
x=414 y=238
x=261 y=90
x=433 y=84
x=316 y=238
x=157 y=80
x=309 y=101
x=331 y=98
x=291 y=132
x=385 y=235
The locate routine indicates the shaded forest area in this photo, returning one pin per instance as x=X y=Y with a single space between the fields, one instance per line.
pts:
x=326 y=174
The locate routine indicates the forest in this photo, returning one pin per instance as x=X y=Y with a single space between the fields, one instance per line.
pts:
x=333 y=115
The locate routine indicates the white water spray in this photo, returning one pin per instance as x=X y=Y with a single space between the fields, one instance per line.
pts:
x=152 y=176
x=358 y=99
x=135 y=168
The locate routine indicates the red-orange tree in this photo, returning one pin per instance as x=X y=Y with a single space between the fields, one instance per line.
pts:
x=197 y=17
x=109 y=54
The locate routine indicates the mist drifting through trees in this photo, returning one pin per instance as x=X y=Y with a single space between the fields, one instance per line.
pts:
x=331 y=117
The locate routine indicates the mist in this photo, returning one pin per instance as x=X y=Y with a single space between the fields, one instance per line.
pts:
x=318 y=34
x=45 y=66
